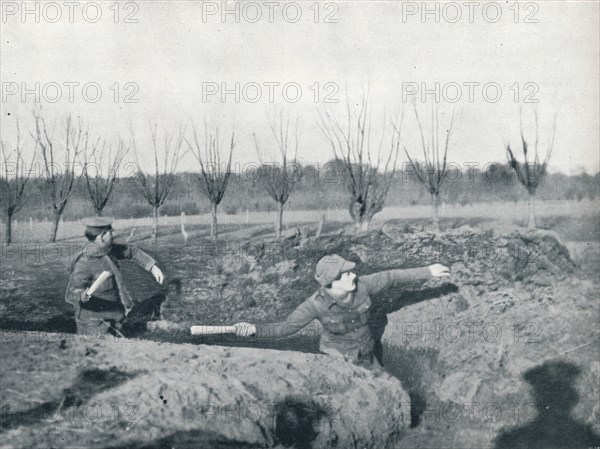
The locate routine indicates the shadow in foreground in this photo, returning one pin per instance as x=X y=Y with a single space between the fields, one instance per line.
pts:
x=296 y=422
x=296 y=425
x=554 y=427
x=87 y=385
x=188 y=439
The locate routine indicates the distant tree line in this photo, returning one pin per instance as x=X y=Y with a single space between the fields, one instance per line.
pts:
x=362 y=177
x=317 y=189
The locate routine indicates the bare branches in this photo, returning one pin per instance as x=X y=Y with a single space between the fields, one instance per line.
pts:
x=278 y=177
x=432 y=172
x=351 y=145
x=157 y=185
x=100 y=187
x=434 y=169
x=530 y=173
x=16 y=174
x=60 y=181
x=278 y=180
x=214 y=174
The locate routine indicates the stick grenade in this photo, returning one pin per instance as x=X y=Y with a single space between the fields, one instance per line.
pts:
x=98 y=282
x=212 y=330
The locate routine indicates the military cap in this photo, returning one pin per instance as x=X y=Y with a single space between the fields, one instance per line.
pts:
x=330 y=267
x=97 y=225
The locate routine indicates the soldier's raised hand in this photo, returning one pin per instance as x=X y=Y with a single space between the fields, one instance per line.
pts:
x=157 y=273
x=245 y=329
x=438 y=270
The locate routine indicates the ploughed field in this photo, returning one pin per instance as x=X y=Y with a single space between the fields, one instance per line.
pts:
x=472 y=353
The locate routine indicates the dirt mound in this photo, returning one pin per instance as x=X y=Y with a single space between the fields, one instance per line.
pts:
x=263 y=280
x=520 y=306
x=515 y=255
x=66 y=391
x=266 y=280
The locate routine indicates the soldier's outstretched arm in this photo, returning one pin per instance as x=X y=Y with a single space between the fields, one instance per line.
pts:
x=378 y=281
x=299 y=318
x=144 y=260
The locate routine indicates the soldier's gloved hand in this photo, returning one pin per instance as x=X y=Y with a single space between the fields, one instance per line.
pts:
x=85 y=296
x=438 y=270
x=245 y=329
x=157 y=273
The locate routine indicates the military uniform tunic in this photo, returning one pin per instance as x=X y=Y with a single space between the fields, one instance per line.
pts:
x=347 y=334
x=111 y=302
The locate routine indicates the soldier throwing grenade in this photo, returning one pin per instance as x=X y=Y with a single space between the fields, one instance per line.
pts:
x=342 y=305
x=103 y=311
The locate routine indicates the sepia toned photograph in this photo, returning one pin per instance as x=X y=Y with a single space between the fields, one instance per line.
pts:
x=299 y=224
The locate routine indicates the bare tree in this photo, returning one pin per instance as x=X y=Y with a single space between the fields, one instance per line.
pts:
x=432 y=172
x=157 y=186
x=100 y=187
x=530 y=173
x=61 y=181
x=214 y=175
x=278 y=180
x=16 y=177
x=351 y=144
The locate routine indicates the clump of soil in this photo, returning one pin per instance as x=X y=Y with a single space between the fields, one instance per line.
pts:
x=109 y=392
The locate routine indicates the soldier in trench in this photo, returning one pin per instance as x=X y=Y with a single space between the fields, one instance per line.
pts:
x=103 y=311
x=342 y=306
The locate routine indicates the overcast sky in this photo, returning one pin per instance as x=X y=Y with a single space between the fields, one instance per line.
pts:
x=179 y=51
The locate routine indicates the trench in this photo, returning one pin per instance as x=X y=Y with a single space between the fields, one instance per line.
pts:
x=65 y=324
x=295 y=421
x=406 y=366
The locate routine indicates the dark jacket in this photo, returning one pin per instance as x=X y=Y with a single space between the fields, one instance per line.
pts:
x=347 y=333
x=90 y=263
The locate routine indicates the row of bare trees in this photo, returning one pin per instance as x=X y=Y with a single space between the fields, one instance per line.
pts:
x=368 y=180
x=367 y=162
x=60 y=156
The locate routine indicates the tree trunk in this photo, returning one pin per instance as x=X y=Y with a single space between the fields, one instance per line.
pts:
x=531 y=224
x=8 y=236
x=213 y=225
x=279 y=219
x=155 y=227
x=435 y=205
x=355 y=213
x=361 y=224
x=320 y=226
x=55 y=221
x=364 y=225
